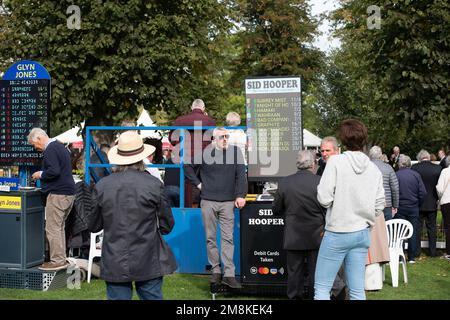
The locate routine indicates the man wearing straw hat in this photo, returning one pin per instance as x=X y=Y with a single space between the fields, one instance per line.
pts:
x=131 y=206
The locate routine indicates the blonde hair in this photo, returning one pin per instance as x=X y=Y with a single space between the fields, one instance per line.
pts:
x=233 y=119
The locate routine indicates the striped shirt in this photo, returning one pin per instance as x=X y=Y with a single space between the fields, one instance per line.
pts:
x=390 y=183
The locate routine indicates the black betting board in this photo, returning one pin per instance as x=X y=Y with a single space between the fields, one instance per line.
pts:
x=263 y=259
x=24 y=104
x=274 y=126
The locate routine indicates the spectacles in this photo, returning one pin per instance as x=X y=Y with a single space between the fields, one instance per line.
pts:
x=223 y=136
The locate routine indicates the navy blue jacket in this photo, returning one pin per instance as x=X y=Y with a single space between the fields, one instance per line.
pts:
x=223 y=176
x=56 y=175
x=411 y=187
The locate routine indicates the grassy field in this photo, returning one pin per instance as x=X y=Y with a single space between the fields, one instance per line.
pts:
x=429 y=279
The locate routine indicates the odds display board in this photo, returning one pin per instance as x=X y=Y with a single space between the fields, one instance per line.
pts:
x=24 y=104
x=274 y=126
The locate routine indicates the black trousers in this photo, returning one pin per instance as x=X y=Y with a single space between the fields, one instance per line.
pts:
x=445 y=208
x=301 y=265
x=429 y=217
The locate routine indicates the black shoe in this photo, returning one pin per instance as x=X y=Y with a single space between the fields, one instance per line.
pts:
x=231 y=282
x=216 y=278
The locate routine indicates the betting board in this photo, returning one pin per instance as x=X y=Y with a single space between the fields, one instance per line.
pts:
x=24 y=104
x=274 y=126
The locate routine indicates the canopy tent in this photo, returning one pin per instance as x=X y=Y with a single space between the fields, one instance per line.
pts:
x=145 y=120
x=71 y=135
x=310 y=139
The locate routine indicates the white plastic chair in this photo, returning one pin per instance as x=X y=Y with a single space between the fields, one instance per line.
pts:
x=398 y=231
x=95 y=250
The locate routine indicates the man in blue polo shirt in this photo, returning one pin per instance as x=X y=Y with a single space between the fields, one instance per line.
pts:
x=58 y=188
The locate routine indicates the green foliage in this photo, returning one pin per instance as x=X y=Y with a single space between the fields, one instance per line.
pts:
x=232 y=103
x=275 y=39
x=159 y=54
x=395 y=78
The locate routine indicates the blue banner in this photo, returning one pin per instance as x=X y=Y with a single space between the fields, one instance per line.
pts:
x=13 y=183
x=26 y=70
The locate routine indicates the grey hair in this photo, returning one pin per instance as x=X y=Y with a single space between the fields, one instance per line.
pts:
x=447 y=161
x=423 y=155
x=404 y=161
x=375 y=153
x=233 y=118
x=35 y=133
x=305 y=159
x=139 y=166
x=331 y=139
x=198 y=104
x=218 y=129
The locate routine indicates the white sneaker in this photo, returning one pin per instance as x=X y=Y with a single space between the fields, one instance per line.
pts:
x=411 y=261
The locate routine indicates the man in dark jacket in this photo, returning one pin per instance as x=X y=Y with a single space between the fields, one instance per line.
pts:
x=296 y=198
x=411 y=195
x=58 y=189
x=442 y=156
x=195 y=141
x=131 y=206
x=223 y=186
x=430 y=173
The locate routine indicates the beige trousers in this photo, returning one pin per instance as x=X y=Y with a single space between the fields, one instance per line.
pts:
x=56 y=211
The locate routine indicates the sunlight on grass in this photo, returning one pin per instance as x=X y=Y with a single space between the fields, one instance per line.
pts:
x=429 y=279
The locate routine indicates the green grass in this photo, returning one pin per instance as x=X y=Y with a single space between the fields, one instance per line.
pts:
x=429 y=279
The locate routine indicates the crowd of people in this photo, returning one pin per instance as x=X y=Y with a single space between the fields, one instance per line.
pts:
x=356 y=188
x=335 y=207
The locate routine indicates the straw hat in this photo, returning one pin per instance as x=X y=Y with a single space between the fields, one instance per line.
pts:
x=129 y=149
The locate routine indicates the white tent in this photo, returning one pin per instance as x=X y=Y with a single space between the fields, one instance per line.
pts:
x=71 y=135
x=310 y=139
x=145 y=120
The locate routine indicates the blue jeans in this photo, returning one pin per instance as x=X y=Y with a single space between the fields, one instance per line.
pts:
x=412 y=215
x=173 y=195
x=350 y=248
x=146 y=290
x=387 y=213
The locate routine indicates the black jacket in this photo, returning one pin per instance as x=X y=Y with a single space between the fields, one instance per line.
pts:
x=128 y=203
x=82 y=209
x=321 y=168
x=296 y=198
x=430 y=173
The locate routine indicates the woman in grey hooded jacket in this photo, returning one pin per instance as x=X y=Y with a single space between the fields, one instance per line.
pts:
x=351 y=189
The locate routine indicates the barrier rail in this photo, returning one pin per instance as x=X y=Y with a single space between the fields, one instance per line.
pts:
x=91 y=143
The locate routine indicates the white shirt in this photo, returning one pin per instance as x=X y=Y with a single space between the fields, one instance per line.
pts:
x=153 y=171
x=443 y=186
x=238 y=138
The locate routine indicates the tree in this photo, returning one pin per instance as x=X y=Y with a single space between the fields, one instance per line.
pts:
x=275 y=40
x=400 y=72
x=159 y=54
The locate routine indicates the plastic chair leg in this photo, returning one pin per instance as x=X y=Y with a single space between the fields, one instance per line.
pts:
x=393 y=264
x=91 y=258
x=405 y=274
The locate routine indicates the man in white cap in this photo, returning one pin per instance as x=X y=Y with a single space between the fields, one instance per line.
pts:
x=130 y=205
